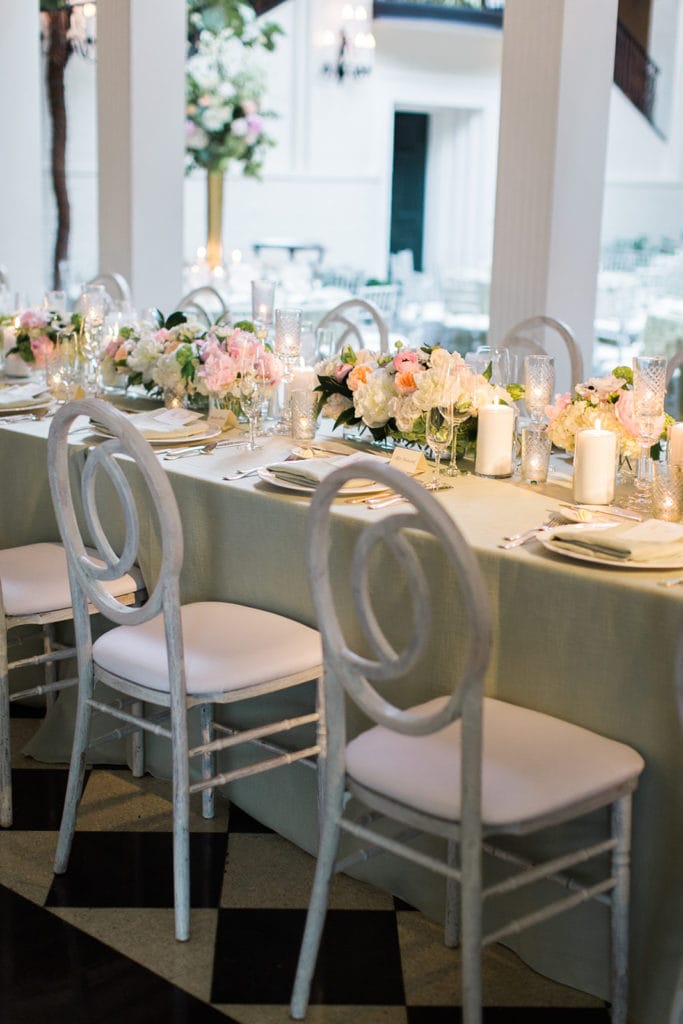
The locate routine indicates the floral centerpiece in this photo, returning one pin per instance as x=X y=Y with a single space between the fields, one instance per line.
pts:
x=185 y=360
x=608 y=399
x=36 y=333
x=390 y=395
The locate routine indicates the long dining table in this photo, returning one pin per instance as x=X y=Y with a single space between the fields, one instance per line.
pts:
x=591 y=644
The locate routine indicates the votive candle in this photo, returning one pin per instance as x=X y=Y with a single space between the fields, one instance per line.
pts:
x=496 y=424
x=595 y=460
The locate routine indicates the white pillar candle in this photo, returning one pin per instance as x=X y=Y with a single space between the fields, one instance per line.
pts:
x=304 y=378
x=676 y=444
x=595 y=459
x=496 y=424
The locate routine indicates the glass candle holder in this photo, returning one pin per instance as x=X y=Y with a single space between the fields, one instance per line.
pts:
x=535 y=454
x=303 y=408
x=287 y=347
x=539 y=382
x=667 y=492
x=262 y=300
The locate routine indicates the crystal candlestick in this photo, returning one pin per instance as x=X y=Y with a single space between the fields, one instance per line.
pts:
x=287 y=347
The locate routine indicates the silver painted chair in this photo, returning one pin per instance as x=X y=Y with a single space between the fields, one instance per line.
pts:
x=434 y=768
x=34 y=591
x=346 y=320
x=164 y=654
x=521 y=341
x=115 y=285
x=206 y=303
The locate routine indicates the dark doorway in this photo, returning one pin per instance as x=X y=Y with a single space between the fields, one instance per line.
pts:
x=408 y=187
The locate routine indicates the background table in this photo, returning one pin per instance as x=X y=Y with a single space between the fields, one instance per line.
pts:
x=593 y=645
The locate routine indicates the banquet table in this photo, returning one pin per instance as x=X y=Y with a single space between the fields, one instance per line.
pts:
x=591 y=644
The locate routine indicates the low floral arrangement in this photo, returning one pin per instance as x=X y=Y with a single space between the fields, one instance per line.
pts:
x=187 y=360
x=608 y=399
x=390 y=395
x=36 y=332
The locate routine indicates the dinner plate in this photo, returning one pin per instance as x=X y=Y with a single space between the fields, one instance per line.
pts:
x=30 y=406
x=546 y=539
x=351 y=487
x=201 y=430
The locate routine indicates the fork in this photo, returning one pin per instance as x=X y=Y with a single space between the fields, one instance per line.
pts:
x=517 y=539
x=239 y=474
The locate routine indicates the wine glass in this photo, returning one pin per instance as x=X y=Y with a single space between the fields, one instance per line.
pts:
x=64 y=367
x=649 y=391
x=457 y=417
x=439 y=436
x=539 y=382
x=252 y=392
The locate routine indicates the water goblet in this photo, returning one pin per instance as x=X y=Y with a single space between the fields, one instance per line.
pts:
x=64 y=367
x=457 y=417
x=539 y=381
x=252 y=392
x=649 y=392
x=439 y=436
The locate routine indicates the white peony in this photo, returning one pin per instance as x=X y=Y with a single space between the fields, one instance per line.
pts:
x=167 y=373
x=372 y=398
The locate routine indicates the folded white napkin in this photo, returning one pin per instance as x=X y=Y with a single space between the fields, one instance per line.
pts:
x=17 y=393
x=159 y=424
x=311 y=472
x=649 y=541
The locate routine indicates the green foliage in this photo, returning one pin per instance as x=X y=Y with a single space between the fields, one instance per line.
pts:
x=624 y=373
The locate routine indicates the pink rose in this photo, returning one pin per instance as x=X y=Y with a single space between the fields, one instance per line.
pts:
x=219 y=371
x=341 y=372
x=406 y=359
x=31 y=318
x=163 y=336
x=561 y=403
x=41 y=347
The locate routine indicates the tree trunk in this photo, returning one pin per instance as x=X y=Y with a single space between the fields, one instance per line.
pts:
x=57 y=56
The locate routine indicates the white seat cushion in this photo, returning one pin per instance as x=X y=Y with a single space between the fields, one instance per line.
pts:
x=227 y=647
x=35 y=579
x=532 y=764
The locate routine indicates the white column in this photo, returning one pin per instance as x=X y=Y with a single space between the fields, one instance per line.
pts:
x=21 y=210
x=141 y=102
x=556 y=80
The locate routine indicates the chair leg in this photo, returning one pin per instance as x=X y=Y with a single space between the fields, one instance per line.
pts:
x=452 y=923
x=317 y=909
x=137 y=745
x=5 y=756
x=208 y=759
x=470 y=902
x=621 y=830
x=74 y=788
x=50 y=666
x=181 y=823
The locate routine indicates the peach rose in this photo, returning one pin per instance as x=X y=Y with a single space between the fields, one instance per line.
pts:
x=404 y=382
x=359 y=375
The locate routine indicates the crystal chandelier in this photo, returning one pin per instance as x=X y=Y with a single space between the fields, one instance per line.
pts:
x=349 y=50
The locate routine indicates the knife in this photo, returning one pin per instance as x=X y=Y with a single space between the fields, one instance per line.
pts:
x=611 y=513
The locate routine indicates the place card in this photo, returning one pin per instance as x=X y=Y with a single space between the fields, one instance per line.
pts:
x=408 y=460
x=176 y=417
x=16 y=393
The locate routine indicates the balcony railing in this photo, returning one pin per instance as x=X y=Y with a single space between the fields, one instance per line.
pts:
x=635 y=73
x=477 y=12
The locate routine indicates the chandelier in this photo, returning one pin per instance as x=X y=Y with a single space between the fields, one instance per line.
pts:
x=349 y=49
x=81 y=18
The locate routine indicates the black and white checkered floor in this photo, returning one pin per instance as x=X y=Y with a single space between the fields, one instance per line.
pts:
x=96 y=946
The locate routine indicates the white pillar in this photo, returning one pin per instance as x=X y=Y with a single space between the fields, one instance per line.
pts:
x=556 y=81
x=141 y=104
x=21 y=210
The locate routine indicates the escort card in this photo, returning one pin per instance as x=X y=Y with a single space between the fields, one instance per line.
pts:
x=408 y=460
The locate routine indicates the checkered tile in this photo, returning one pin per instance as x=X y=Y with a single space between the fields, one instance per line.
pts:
x=96 y=944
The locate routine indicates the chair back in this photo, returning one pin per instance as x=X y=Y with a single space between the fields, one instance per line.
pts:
x=206 y=303
x=385 y=298
x=359 y=673
x=347 y=317
x=88 y=576
x=115 y=285
x=521 y=341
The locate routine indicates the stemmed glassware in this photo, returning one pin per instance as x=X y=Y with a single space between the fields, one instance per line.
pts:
x=439 y=436
x=539 y=382
x=287 y=347
x=64 y=367
x=252 y=393
x=262 y=299
x=649 y=392
x=457 y=417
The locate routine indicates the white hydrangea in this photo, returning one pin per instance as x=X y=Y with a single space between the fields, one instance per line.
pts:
x=144 y=355
x=372 y=399
x=215 y=118
x=167 y=373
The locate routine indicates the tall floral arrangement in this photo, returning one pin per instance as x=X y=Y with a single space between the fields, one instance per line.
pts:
x=225 y=85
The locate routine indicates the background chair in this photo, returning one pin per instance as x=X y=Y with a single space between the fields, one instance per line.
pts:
x=116 y=287
x=384 y=297
x=206 y=303
x=163 y=654
x=534 y=336
x=431 y=769
x=353 y=320
x=34 y=591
